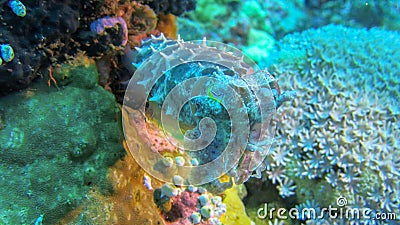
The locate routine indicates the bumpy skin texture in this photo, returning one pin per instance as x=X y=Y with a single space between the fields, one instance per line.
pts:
x=202 y=107
x=176 y=7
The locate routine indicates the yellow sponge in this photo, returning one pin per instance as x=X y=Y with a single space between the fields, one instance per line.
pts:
x=235 y=211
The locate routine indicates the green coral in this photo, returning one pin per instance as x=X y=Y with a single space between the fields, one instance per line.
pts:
x=209 y=10
x=251 y=25
x=57 y=146
x=259 y=45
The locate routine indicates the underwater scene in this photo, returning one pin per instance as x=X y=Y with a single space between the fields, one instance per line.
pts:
x=208 y=112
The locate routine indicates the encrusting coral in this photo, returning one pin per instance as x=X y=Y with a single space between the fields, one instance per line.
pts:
x=236 y=213
x=131 y=202
x=56 y=145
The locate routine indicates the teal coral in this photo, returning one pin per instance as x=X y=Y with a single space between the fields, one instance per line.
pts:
x=364 y=59
x=252 y=25
x=259 y=44
x=17 y=7
x=373 y=13
x=7 y=52
x=282 y=17
x=340 y=135
x=58 y=146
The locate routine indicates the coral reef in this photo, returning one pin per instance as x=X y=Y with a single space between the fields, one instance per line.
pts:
x=340 y=136
x=191 y=205
x=44 y=34
x=240 y=22
x=130 y=202
x=176 y=7
x=62 y=159
x=140 y=19
x=368 y=14
x=250 y=25
x=50 y=33
x=34 y=38
x=56 y=145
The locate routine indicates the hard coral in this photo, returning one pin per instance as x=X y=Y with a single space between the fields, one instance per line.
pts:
x=342 y=128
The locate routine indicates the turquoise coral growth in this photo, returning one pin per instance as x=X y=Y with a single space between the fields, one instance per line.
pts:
x=17 y=7
x=340 y=136
x=7 y=53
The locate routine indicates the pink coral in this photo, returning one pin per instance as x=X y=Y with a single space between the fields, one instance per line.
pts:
x=182 y=207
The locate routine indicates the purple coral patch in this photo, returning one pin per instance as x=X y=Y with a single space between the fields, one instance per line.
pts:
x=100 y=24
